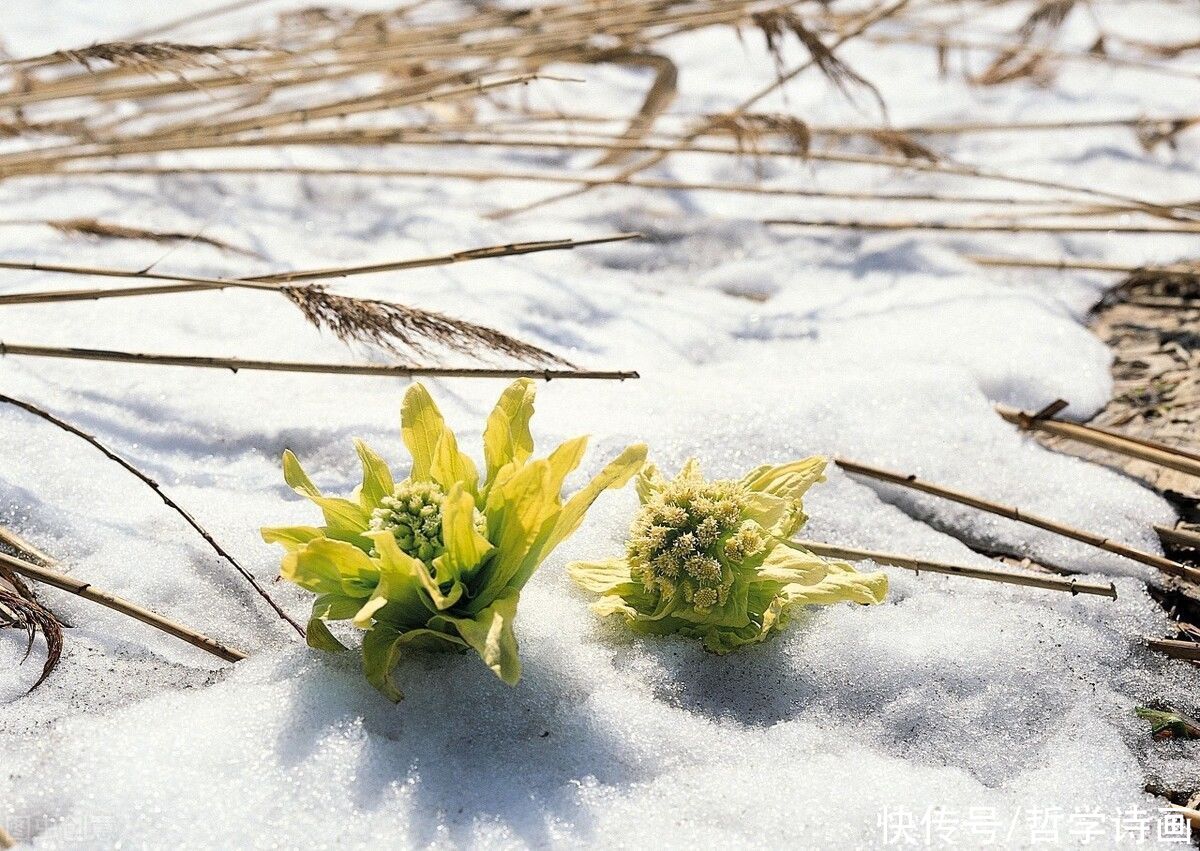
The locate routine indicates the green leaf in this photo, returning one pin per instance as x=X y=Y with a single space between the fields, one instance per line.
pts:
x=336 y=607
x=1169 y=724
x=377 y=478
x=490 y=634
x=381 y=651
x=327 y=566
x=405 y=583
x=291 y=537
x=383 y=645
x=465 y=547
x=560 y=527
x=451 y=467
x=516 y=513
x=319 y=637
x=421 y=426
x=507 y=438
x=564 y=460
x=311 y=572
x=342 y=515
x=600 y=577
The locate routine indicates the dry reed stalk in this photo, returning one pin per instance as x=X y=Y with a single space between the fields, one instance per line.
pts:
x=1083 y=265
x=978 y=227
x=1187 y=650
x=1183 y=212
x=941 y=41
x=275 y=282
x=387 y=325
x=87 y=591
x=236 y=364
x=193 y=18
x=1166 y=565
x=24 y=548
x=1154 y=453
x=483 y=175
x=1051 y=583
x=782 y=78
x=129 y=467
x=1179 y=537
x=93 y=227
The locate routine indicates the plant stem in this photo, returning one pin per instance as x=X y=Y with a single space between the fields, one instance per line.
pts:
x=977 y=227
x=1189 y=650
x=236 y=364
x=167 y=500
x=1145 y=450
x=272 y=282
x=87 y=591
x=1051 y=583
x=1166 y=565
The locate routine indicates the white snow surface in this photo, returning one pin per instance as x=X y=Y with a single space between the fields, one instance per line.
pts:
x=888 y=348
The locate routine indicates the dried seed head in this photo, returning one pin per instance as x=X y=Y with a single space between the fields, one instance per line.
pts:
x=396 y=327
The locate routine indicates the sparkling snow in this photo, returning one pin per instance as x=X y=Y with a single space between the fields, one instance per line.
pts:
x=754 y=344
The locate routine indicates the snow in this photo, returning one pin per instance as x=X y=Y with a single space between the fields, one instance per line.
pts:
x=888 y=348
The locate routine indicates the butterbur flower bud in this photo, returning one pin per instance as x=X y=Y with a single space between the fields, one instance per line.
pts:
x=714 y=560
x=413 y=514
x=438 y=561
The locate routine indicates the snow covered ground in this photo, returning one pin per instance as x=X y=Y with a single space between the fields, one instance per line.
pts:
x=1010 y=709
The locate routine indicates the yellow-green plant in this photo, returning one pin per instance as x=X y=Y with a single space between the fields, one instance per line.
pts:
x=714 y=559
x=438 y=559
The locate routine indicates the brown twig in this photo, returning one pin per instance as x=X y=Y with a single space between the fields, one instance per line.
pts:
x=277 y=281
x=1189 y=650
x=1144 y=450
x=383 y=324
x=89 y=592
x=782 y=78
x=236 y=364
x=1179 y=537
x=1051 y=583
x=1082 y=265
x=1166 y=565
x=167 y=500
x=977 y=227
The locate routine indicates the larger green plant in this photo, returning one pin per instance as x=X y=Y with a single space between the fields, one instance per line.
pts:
x=438 y=559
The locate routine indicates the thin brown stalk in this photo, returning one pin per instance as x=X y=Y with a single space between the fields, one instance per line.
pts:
x=482 y=175
x=128 y=466
x=1083 y=265
x=1154 y=453
x=87 y=591
x=237 y=364
x=978 y=227
x=89 y=226
x=1187 y=650
x=1051 y=583
x=781 y=80
x=1154 y=560
x=388 y=325
x=1179 y=537
x=1185 y=211
x=142 y=55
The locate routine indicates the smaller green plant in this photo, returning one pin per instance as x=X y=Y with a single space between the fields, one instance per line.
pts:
x=438 y=560
x=713 y=559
